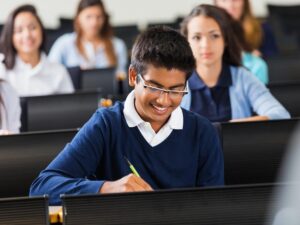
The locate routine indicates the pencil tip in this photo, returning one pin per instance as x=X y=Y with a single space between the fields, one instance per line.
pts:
x=127 y=160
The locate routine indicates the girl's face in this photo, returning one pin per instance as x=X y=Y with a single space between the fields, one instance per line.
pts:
x=206 y=40
x=233 y=7
x=91 y=21
x=27 y=36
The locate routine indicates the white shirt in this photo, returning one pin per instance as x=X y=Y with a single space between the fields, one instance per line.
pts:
x=44 y=79
x=10 y=110
x=133 y=119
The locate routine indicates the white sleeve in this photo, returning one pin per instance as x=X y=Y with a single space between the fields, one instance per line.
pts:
x=13 y=108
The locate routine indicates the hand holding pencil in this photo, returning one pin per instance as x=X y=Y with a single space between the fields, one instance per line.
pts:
x=130 y=183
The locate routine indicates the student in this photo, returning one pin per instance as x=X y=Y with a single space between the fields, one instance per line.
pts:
x=221 y=89
x=256 y=65
x=92 y=45
x=10 y=110
x=168 y=146
x=259 y=37
x=26 y=66
x=251 y=33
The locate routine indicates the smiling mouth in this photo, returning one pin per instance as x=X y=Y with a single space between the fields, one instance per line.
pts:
x=160 y=110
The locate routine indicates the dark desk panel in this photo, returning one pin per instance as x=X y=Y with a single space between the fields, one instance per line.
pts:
x=24 y=211
x=23 y=156
x=253 y=151
x=218 y=206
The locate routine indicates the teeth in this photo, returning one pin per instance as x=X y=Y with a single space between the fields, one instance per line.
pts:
x=159 y=108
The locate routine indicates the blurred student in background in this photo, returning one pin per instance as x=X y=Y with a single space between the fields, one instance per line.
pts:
x=256 y=65
x=26 y=65
x=92 y=45
x=258 y=40
x=10 y=110
x=220 y=89
x=258 y=36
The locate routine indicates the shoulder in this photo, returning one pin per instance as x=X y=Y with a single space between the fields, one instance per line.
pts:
x=253 y=60
x=193 y=120
x=240 y=75
x=3 y=71
x=8 y=93
x=111 y=115
x=237 y=71
x=53 y=67
x=245 y=83
x=67 y=37
x=66 y=40
x=118 y=43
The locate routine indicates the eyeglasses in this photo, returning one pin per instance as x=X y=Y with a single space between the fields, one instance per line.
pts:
x=173 y=94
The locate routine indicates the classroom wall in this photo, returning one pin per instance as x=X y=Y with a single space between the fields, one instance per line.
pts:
x=125 y=11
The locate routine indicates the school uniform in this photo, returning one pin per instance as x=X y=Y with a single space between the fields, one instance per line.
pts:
x=44 y=79
x=185 y=152
x=247 y=95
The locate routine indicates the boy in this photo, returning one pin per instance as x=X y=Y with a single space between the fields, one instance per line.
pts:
x=168 y=146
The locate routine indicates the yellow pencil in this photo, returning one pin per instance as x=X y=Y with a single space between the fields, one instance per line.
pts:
x=132 y=167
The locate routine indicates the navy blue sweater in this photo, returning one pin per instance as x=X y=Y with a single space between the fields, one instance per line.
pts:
x=187 y=158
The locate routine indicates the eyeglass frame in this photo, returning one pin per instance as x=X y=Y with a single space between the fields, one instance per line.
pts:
x=163 y=90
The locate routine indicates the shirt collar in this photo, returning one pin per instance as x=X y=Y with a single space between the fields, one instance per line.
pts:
x=20 y=64
x=133 y=119
x=225 y=80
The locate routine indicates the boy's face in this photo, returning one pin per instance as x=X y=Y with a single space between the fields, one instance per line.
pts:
x=153 y=106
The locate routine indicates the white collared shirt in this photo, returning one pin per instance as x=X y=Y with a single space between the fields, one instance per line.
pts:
x=133 y=119
x=43 y=79
x=10 y=109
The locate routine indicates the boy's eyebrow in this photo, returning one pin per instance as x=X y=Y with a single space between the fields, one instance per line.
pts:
x=161 y=86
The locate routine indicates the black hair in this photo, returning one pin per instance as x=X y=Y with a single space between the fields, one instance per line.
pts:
x=162 y=47
x=6 y=39
x=232 y=51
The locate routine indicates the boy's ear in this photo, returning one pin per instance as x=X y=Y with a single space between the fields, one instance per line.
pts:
x=132 y=74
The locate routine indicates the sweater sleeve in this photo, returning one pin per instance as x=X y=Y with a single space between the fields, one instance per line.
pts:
x=211 y=171
x=262 y=101
x=71 y=172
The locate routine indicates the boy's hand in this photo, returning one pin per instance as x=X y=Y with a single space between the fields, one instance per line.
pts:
x=129 y=183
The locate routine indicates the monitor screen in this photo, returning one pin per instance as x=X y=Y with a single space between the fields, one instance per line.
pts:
x=63 y=111
x=24 y=156
x=101 y=79
x=253 y=151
